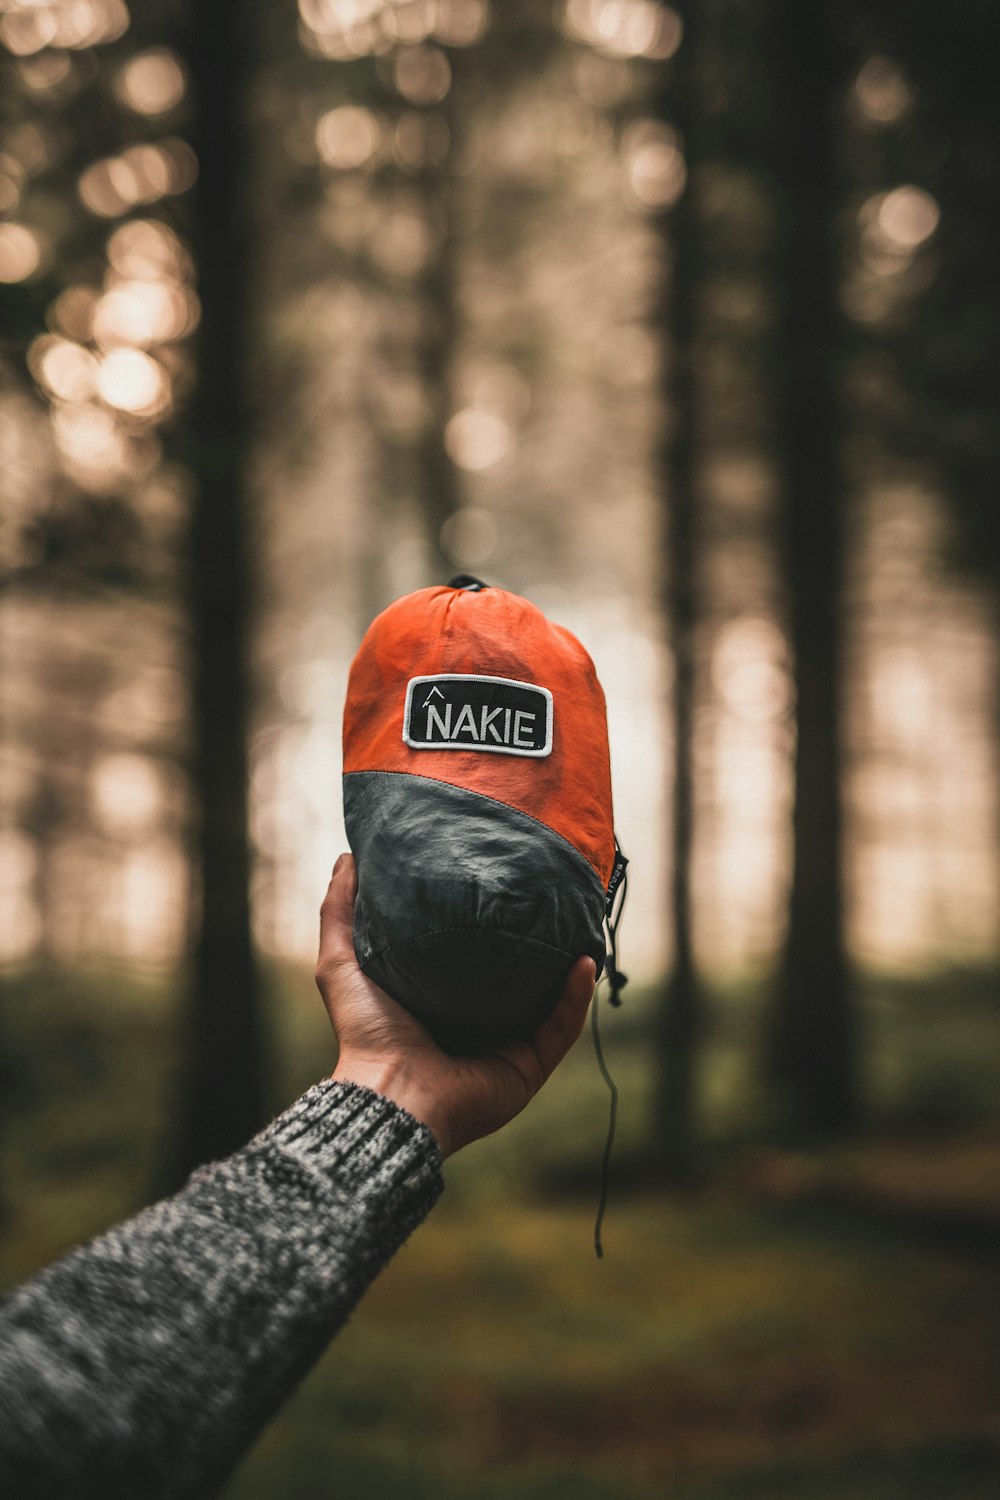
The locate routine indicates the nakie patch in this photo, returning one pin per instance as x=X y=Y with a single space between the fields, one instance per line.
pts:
x=456 y=711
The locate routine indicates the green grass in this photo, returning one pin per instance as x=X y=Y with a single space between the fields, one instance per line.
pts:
x=736 y=1343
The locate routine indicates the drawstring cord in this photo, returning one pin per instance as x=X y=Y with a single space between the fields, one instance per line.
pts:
x=617 y=982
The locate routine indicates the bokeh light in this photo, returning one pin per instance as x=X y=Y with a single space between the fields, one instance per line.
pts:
x=477 y=440
x=893 y=228
x=20 y=252
x=76 y=24
x=882 y=92
x=144 y=313
x=654 y=163
x=134 y=382
x=625 y=28
x=11 y=183
x=342 y=29
x=404 y=242
x=63 y=368
x=90 y=440
x=142 y=174
x=152 y=83
x=126 y=794
x=409 y=22
x=348 y=136
x=422 y=74
x=907 y=217
x=26 y=31
x=461 y=23
x=145 y=249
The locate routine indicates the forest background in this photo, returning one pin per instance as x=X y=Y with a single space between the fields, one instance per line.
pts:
x=685 y=323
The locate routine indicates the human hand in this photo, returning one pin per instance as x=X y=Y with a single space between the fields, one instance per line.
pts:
x=385 y=1048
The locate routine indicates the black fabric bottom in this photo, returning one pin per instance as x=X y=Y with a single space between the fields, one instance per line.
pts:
x=469 y=912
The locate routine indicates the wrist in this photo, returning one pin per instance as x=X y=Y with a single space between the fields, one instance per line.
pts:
x=390 y=1078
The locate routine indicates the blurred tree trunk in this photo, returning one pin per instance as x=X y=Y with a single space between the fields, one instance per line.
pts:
x=415 y=465
x=813 y=1039
x=439 y=490
x=948 y=353
x=680 y=1024
x=222 y=1101
x=438 y=484
x=46 y=820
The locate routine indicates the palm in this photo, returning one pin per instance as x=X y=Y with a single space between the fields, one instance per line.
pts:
x=383 y=1045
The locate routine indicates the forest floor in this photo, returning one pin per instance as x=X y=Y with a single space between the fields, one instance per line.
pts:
x=803 y=1325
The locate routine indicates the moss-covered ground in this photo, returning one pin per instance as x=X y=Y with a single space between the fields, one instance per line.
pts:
x=821 y=1324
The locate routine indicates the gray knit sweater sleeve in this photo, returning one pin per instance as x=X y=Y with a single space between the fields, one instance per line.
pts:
x=146 y=1362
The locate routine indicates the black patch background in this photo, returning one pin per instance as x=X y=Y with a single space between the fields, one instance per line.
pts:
x=478 y=695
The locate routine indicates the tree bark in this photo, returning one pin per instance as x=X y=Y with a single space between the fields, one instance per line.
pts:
x=813 y=1040
x=680 y=1025
x=439 y=488
x=222 y=1101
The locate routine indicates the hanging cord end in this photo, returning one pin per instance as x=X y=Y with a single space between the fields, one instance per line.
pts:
x=610 y=1139
x=616 y=983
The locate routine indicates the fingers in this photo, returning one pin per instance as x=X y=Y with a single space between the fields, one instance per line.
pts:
x=336 y=917
x=555 y=1037
x=533 y=1062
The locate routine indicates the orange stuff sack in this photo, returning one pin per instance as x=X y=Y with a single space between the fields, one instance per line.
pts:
x=477 y=799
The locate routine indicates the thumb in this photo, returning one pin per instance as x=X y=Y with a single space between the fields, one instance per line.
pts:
x=336 y=916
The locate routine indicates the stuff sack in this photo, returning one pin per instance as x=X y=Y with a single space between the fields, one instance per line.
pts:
x=477 y=799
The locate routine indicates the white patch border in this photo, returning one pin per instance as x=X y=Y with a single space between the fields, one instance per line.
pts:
x=535 y=687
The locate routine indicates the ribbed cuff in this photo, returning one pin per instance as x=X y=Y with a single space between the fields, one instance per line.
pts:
x=366 y=1145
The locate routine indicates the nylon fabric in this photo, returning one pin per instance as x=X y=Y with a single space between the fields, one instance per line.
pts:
x=446 y=976
x=440 y=630
x=462 y=897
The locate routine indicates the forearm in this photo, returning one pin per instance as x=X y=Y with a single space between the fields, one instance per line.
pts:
x=148 y=1361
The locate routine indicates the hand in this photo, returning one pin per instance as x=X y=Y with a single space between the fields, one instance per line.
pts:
x=385 y=1048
